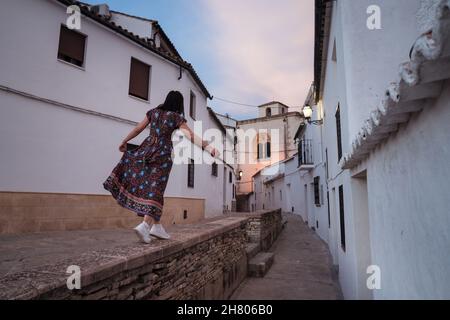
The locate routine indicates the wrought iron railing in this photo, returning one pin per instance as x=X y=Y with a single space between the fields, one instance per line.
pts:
x=305 y=152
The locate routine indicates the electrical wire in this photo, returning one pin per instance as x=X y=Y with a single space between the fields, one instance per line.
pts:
x=236 y=103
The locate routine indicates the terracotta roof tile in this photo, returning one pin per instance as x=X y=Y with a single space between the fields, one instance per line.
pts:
x=142 y=41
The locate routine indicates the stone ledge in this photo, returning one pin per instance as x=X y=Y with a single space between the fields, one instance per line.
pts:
x=260 y=264
x=130 y=265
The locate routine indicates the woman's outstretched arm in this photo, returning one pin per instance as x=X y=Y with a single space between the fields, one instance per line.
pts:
x=134 y=133
x=197 y=140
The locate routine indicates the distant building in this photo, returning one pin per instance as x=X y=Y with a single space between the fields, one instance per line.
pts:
x=271 y=142
x=298 y=184
x=69 y=97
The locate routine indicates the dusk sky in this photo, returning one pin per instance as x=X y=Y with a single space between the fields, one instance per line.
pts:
x=251 y=51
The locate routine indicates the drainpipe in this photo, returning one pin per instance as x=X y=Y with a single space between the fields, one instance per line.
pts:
x=285 y=138
x=181 y=73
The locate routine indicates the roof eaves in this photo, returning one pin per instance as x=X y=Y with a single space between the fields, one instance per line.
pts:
x=141 y=41
x=165 y=37
x=213 y=115
x=419 y=74
x=321 y=37
x=287 y=114
x=132 y=16
x=272 y=102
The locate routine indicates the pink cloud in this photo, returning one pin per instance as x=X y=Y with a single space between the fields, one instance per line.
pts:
x=264 y=50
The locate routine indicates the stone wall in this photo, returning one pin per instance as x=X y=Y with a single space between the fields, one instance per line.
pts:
x=206 y=260
x=263 y=227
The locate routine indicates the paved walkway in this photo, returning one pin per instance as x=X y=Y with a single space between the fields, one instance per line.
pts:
x=301 y=270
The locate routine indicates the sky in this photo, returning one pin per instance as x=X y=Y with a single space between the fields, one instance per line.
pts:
x=246 y=51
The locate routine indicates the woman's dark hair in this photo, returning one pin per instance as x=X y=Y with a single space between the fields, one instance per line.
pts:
x=174 y=102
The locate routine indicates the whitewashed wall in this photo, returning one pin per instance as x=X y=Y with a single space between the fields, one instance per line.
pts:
x=410 y=219
x=400 y=226
x=72 y=152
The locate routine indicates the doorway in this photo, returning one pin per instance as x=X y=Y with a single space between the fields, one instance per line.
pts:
x=363 y=247
x=224 y=193
x=305 y=203
x=333 y=229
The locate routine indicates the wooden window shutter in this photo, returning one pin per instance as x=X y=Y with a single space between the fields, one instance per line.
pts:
x=191 y=173
x=342 y=216
x=214 y=171
x=192 y=105
x=72 y=46
x=139 y=79
x=316 y=191
x=338 y=132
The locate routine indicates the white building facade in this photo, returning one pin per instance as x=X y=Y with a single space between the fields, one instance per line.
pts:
x=385 y=136
x=263 y=142
x=370 y=175
x=64 y=111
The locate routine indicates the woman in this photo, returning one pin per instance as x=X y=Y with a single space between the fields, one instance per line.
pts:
x=139 y=180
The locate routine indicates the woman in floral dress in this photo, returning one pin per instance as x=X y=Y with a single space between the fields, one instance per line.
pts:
x=139 y=180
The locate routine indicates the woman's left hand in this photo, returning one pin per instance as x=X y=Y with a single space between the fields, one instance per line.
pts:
x=214 y=152
x=123 y=147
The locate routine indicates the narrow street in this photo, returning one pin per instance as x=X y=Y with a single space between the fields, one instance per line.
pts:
x=301 y=270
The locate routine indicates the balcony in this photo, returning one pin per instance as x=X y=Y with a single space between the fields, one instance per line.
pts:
x=305 y=154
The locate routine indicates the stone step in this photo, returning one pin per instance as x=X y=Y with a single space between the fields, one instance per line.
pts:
x=260 y=264
x=252 y=250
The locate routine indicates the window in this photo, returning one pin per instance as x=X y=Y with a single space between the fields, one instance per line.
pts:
x=268 y=112
x=230 y=177
x=281 y=195
x=192 y=102
x=316 y=191
x=342 y=216
x=234 y=191
x=72 y=45
x=260 y=150
x=139 y=79
x=185 y=214
x=328 y=208
x=191 y=173
x=338 y=133
x=263 y=148
x=333 y=55
x=214 y=169
x=305 y=152
x=283 y=111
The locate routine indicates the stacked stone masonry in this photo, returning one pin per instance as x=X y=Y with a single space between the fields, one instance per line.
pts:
x=206 y=260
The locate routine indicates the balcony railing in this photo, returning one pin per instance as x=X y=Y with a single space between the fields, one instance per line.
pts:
x=305 y=153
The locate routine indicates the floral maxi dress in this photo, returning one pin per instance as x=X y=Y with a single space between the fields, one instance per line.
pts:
x=139 y=180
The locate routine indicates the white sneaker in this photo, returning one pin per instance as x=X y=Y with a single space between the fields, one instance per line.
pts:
x=142 y=232
x=147 y=226
x=158 y=231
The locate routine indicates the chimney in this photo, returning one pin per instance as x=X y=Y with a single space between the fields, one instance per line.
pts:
x=101 y=9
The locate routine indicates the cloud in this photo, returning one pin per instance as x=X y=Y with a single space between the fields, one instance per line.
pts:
x=263 y=51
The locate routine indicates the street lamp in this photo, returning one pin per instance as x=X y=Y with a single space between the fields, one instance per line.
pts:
x=307 y=113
